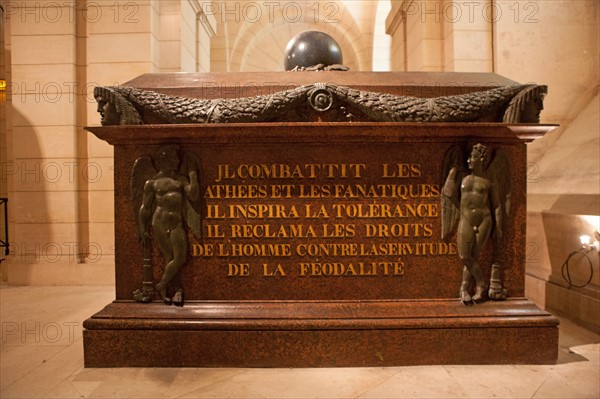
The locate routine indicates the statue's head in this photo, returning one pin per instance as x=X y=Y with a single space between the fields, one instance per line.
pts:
x=113 y=107
x=107 y=107
x=168 y=158
x=479 y=155
x=526 y=106
x=532 y=110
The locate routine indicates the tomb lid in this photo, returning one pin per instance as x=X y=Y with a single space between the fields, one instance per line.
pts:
x=249 y=84
x=319 y=96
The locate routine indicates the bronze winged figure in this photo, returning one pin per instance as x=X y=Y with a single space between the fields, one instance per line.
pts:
x=166 y=199
x=476 y=201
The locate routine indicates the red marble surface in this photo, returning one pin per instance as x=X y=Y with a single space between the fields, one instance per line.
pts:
x=205 y=278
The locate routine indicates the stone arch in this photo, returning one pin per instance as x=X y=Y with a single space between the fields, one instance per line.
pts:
x=269 y=36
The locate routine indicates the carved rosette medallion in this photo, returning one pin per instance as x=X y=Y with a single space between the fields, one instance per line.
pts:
x=320 y=99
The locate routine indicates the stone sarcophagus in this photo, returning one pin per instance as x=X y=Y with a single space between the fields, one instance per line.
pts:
x=314 y=219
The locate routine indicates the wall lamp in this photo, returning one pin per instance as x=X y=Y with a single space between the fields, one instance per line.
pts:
x=588 y=244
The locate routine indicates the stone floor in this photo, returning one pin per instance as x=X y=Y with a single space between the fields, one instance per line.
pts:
x=42 y=357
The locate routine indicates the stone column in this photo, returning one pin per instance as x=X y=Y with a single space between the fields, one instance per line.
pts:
x=60 y=181
x=184 y=36
x=467 y=35
x=416 y=30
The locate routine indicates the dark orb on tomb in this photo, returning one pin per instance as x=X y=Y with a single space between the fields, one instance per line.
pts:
x=310 y=48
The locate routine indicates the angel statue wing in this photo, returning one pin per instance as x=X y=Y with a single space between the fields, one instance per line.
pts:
x=193 y=208
x=142 y=171
x=453 y=171
x=499 y=173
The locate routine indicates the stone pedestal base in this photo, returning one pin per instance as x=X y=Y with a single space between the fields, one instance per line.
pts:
x=319 y=334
